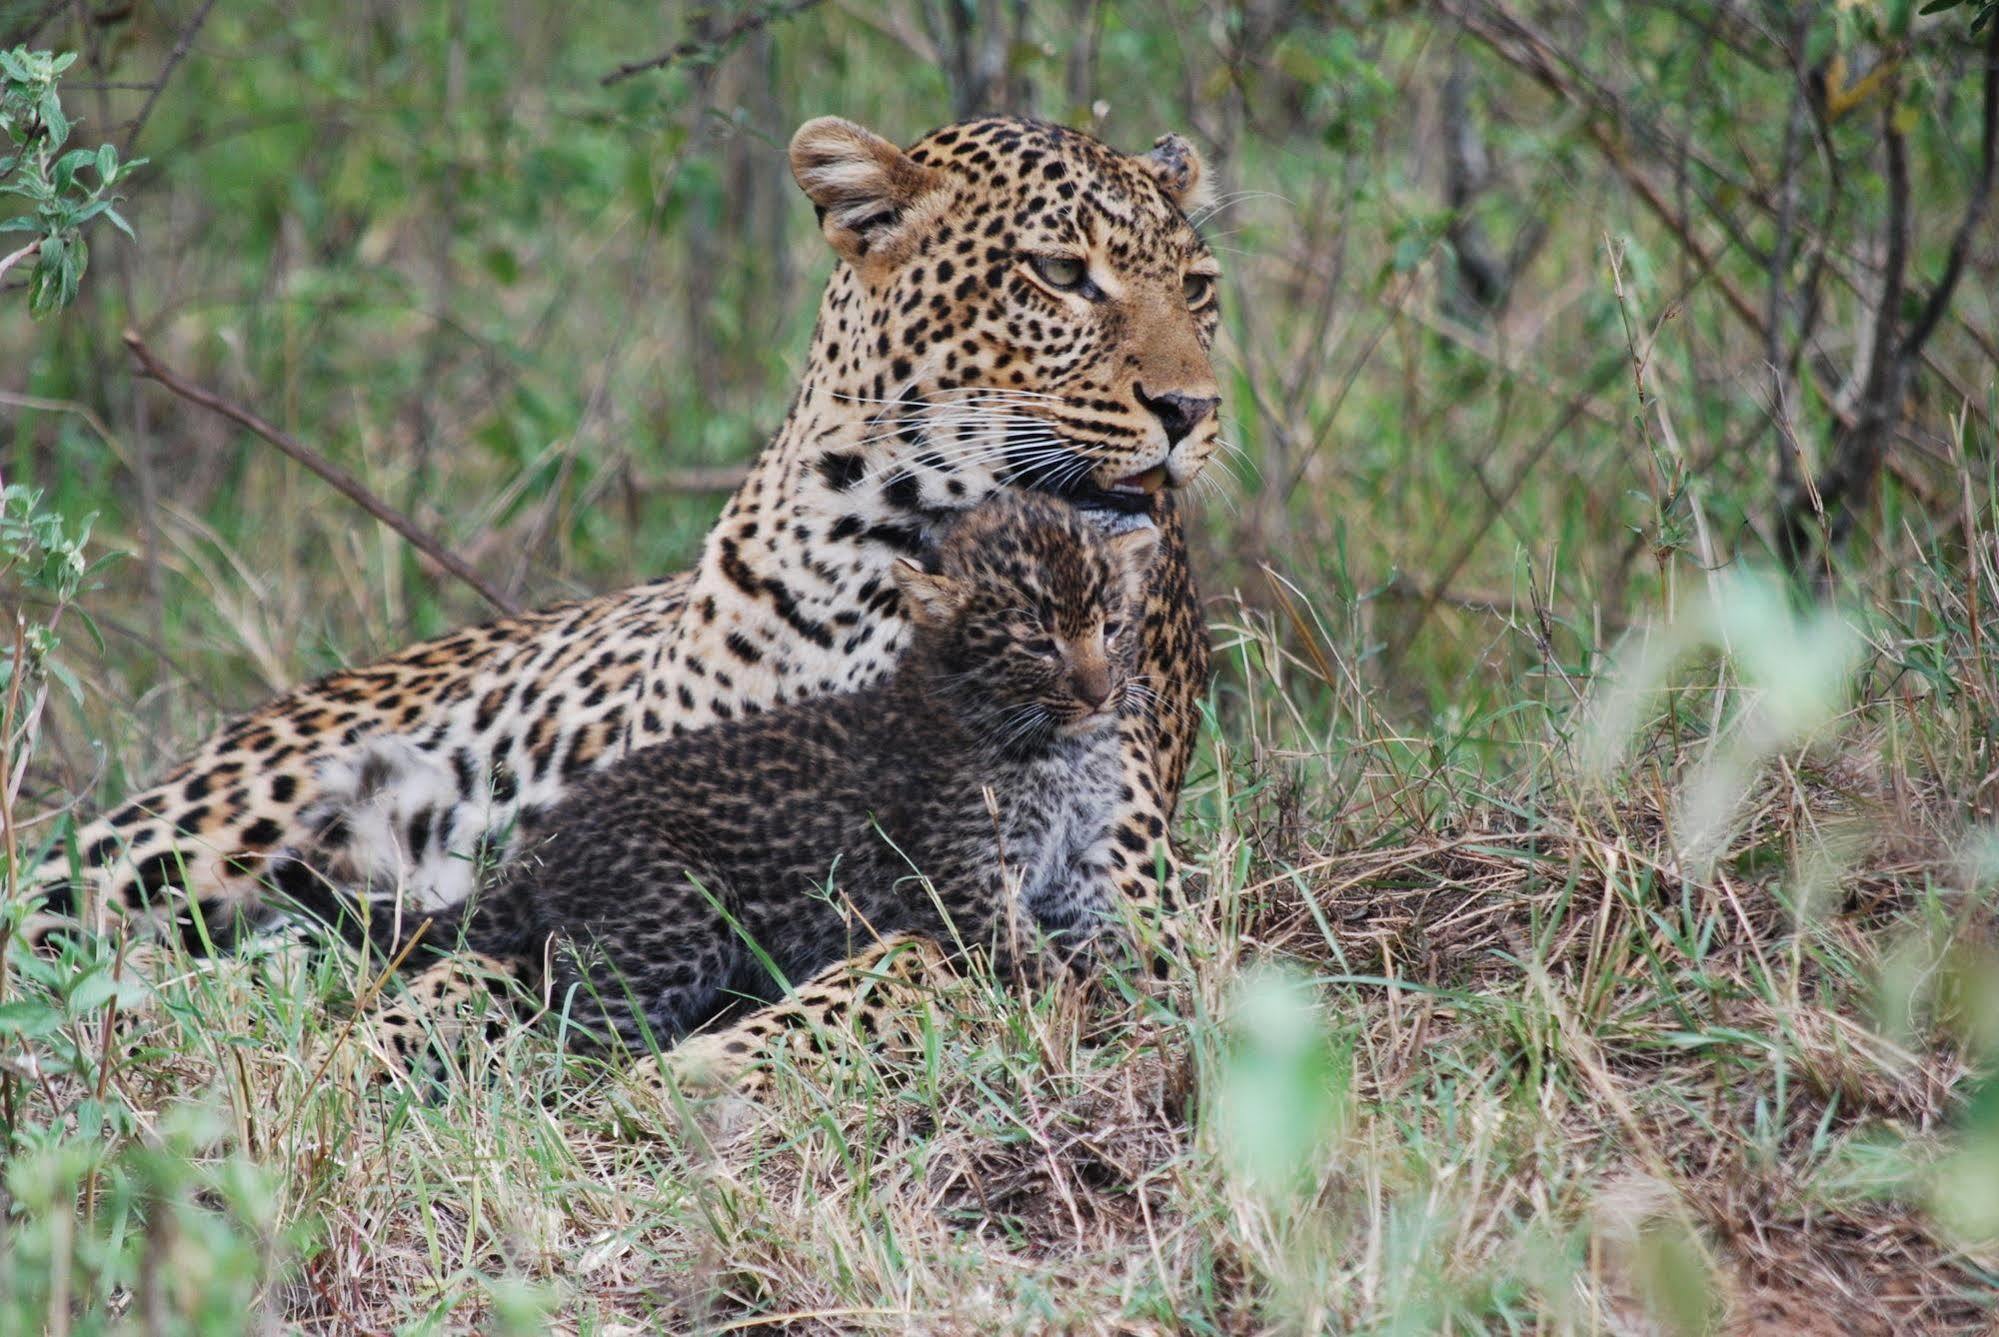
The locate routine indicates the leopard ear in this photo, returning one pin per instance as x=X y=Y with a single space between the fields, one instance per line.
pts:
x=929 y=598
x=868 y=192
x=1178 y=168
x=1136 y=549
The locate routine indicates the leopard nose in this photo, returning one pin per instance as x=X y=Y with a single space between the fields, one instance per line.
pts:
x=1092 y=685
x=1179 y=414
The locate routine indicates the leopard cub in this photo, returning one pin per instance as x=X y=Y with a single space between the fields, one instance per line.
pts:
x=968 y=798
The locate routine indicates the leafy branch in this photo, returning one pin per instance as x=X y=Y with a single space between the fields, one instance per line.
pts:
x=56 y=186
x=711 y=49
x=41 y=555
x=1987 y=11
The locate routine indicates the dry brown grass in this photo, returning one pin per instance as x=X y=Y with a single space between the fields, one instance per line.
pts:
x=1577 y=1090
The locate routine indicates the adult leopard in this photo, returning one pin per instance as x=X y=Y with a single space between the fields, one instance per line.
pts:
x=1015 y=305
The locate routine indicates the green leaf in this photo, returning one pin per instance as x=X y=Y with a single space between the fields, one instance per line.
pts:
x=74 y=263
x=57 y=670
x=54 y=123
x=64 y=175
x=90 y=628
x=91 y=991
x=1939 y=6
x=502 y=264
x=26 y=1017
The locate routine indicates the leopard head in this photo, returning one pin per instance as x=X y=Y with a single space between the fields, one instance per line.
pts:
x=1017 y=305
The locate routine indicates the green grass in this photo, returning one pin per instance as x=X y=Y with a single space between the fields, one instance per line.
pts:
x=1475 y=1032
x=1511 y=1071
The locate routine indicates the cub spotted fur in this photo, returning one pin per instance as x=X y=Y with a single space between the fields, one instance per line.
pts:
x=967 y=799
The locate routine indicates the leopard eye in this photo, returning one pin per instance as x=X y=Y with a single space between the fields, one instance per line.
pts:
x=1197 y=289
x=1066 y=272
x=1032 y=638
x=1112 y=630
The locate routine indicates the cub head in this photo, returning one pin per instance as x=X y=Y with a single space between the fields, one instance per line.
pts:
x=1025 y=618
x=1018 y=306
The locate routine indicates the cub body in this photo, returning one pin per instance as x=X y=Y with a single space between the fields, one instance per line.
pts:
x=969 y=798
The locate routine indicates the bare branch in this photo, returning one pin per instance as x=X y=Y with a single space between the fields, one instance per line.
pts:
x=692 y=481
x=1578 y=405
x=1974 y=209
x=1857 y=458
x=181 y=45
x=1520 y=46
x=22 y=256
x=343 y=482
x=1863 y=447
x=1866 y=431
x=1780 y=267
x=687 y=50
x=1467 y=172
x=28 y=29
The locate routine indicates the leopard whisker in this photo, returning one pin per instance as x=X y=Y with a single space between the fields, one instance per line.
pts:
x=925 y=428
x=1221 y=203
x=1214 y=488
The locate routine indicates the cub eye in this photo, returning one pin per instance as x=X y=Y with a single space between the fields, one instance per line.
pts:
x=1066 y=272
x=1031 y=638
x=1111 y=631
x=1197 y=289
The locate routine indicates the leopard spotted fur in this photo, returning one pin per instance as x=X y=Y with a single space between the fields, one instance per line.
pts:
x=1014 y=305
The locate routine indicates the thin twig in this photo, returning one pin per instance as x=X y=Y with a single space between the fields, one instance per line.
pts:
x=1601 y=380
x=174 y=58
x=748 y=23
x=1780 y=265
x=361 y=1005
x=692 y=481
x=1974 y=209
x=343 y=482
x=31 y=28
x=26 y=253
x=1847 y=479
x=140 y=459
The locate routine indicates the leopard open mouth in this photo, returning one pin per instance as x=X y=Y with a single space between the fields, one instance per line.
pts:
x=1135 y=494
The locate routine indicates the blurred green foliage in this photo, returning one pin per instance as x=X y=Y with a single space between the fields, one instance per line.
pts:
x=101 y=1223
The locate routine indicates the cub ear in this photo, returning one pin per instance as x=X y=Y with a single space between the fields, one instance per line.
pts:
x=1178 y=168
x=1135 y=549
x=929 y=598
x=865 y=189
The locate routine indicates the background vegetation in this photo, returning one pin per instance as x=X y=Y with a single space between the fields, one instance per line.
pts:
x=1550 y=979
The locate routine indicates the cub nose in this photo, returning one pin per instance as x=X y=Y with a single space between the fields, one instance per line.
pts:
x=1179 y=414
x=1092 y=685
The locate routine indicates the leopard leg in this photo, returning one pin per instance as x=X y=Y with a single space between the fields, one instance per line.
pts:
x=1139 y=857
x=1157 y=733
x=435 y=1009
x=878 y=998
